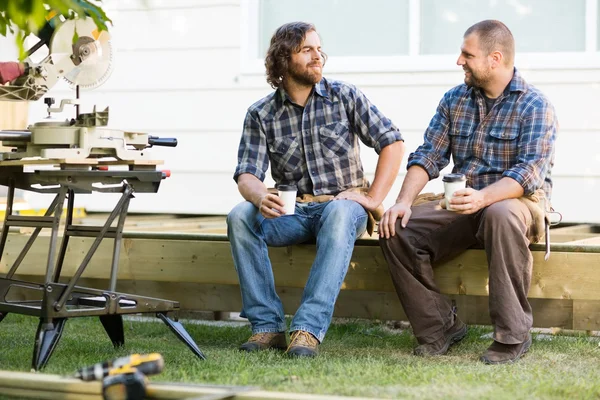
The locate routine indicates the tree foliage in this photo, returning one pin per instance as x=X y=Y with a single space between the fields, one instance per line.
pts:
x=23 y=17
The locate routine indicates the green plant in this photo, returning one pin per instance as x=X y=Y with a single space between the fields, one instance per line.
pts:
x=24 y=17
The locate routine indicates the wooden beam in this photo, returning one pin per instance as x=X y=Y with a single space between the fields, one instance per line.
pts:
x=547 y=313
x=197 y=270
x=47 y=386
x=571 y=274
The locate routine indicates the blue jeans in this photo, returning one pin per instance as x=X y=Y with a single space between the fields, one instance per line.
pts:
x=334 y=224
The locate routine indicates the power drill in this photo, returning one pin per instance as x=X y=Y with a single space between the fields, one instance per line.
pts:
x=124 y=383
x=147 y=364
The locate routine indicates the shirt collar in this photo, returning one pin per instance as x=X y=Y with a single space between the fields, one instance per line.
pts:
x=516 y=84
x=321 y=88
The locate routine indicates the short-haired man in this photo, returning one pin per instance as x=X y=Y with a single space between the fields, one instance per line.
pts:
x=500 y=132
x=308 y=130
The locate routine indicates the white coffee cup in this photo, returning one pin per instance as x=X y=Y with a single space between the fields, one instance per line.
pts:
x=287 y=193
x=452 y=183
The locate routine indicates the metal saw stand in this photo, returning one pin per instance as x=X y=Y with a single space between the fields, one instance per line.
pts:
x=60 y=301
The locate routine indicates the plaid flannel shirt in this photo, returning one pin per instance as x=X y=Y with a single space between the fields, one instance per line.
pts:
x=515 y=139
x=316 y=146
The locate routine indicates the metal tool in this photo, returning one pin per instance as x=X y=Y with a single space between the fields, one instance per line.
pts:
x=80 y=153
x=83 y=56
x=126 y=383
x=148 y=364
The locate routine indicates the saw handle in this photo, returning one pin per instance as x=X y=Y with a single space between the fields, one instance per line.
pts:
x=157 y=141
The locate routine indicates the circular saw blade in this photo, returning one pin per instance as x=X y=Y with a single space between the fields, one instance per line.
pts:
x=87 y=48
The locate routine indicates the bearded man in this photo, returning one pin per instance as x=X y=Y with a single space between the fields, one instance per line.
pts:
x=500 y=132
x=308 y=131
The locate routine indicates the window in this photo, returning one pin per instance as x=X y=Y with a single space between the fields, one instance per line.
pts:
x=539 y=26
x=347 y=27
x=415 y=35
x=598 y=25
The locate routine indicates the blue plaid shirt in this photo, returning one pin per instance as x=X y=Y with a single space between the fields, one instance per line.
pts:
x=316 y=146
x=515 y=139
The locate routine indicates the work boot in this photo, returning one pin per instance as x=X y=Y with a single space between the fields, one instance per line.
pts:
x=500 y=353
x=453 y=335
x=303 y=344
x=265 y=340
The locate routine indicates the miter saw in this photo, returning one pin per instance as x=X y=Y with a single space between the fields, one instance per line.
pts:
x=82 y=55
x=81 y=153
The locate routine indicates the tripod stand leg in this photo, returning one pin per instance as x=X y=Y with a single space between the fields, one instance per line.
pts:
x=182 y=334
x=46 y=339
x=113 y=325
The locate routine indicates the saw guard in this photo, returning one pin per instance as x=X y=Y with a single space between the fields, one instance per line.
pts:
x=89 y=53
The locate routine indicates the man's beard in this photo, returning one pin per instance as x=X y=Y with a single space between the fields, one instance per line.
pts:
x=306 y=76
x=479 y=80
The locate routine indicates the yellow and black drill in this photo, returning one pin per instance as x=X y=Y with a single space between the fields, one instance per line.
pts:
x=124 y=378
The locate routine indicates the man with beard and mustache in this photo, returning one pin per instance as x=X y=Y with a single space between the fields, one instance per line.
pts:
x=500 y=132
x=308 y=130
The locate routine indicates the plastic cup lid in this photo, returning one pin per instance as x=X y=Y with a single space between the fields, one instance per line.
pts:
x=287 y=188
x=454 y=178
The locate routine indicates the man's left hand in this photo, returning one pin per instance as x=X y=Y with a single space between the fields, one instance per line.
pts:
x=466 y=201
x=361 y=198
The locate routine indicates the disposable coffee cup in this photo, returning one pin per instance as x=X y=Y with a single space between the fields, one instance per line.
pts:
x=287 y=193
x=452 y=183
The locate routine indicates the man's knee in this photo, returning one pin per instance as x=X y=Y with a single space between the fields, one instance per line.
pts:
x=344 y=211
x=505 y=211
x=241 y=214
x=345 y=214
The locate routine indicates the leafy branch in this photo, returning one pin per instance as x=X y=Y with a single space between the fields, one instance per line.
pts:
x=24 y=17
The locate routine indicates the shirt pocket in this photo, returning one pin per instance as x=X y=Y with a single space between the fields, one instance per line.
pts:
x=336 y=140
x=285 y=152
x=460 y=131
x=502 y=146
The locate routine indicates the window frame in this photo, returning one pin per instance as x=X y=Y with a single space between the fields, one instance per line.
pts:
x=415 y=62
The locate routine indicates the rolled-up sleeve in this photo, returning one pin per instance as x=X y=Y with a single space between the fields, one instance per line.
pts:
x=252 y=152
x=536 y=148
x=434 y=154
x=373 y=128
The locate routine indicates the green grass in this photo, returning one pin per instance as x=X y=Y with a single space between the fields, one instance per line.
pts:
x=358 y=358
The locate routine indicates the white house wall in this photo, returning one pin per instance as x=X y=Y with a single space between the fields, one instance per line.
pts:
x=179 y=72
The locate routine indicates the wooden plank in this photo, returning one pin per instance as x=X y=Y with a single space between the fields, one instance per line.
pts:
x=547 y=313
x=210 y=262
x=47 y=386
x=13 y=114
x=48 y=161
x=595 y=239
x=570 y=237
x=586 y=315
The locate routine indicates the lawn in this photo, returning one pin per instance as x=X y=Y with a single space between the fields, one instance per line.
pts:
x=358 y=358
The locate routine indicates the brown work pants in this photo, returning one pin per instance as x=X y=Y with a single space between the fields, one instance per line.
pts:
x=504 y=229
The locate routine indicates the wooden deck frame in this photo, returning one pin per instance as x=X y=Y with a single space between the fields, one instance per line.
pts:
x=197 y=270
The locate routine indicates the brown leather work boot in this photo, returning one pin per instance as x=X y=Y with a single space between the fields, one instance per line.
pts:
x=265 y=340
x=303 y=344
x=500 y=353
x=453 y=335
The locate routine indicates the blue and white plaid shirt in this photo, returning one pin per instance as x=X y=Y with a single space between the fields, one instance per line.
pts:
x=316 y=146
x=515 y=139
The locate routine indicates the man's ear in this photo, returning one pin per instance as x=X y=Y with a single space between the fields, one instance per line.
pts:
x=497 y=58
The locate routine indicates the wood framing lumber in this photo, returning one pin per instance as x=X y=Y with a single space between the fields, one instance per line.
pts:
x=197 y=270
x=47 y=386
x=570 y=273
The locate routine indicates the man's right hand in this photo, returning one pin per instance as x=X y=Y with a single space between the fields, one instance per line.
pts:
x=387 y=224
x=270 y=205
